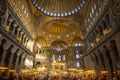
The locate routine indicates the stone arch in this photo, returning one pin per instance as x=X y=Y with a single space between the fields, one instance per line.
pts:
x=109 y=60
x=76 y=40
x=3 y=42
x=14 y=59
x=114 y=49
x=100 y=30
x=91 y=57
x=104 y=24
x=41 y=42
x=20 y=58
x=101 y=59
x=107 y=18
x=8 y=54
x=96 y=59
x=95 y=62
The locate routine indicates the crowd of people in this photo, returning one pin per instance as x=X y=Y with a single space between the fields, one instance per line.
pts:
x=5 y=76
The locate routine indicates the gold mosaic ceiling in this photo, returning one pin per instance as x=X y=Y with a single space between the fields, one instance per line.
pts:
x=55 y=20
x=59 y=8
x=60 y=27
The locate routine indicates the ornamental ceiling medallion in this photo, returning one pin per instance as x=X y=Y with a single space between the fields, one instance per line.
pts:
x=3 y=7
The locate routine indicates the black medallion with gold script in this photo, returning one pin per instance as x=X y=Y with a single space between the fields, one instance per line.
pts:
x=3 y=7
x=115 y=7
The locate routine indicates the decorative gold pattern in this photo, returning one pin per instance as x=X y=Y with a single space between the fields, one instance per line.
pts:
x=61 y=29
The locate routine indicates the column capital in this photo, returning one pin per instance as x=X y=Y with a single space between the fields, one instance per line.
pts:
x=22 y=32
x=5 y=46
x=18 y=28
x=11 y=20
x=24 y=54
x=13 y=50
x=28 y=38
x=19 y=53
x=24 y=36
x=15 y=25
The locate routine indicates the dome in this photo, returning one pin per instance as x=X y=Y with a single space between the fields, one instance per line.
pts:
x=59 y=8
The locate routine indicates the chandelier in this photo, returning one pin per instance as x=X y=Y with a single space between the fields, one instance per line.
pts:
x=59 y=46
x=59 y=8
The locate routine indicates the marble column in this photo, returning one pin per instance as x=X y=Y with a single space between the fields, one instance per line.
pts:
x=107 y=64
x=4 y=19
x=17 y=60
x=11 y=26
x=10 y=21
x=5 y=49
x=13 y=50
x=22 y=62
x=99 y=60
x=13 y=32
x=18 y=33
x=114 y=63
x=26 y=40
x=22 y=35
x=97 y=65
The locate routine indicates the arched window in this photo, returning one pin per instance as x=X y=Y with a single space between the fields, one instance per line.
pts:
x=77 y=56
x=92 y=10
x=23 y=7
x=94 y=6
x=64 y=57
x=78 y=64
